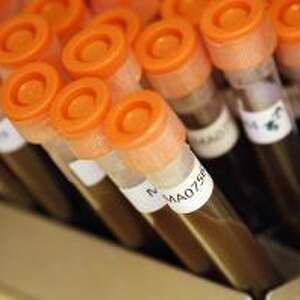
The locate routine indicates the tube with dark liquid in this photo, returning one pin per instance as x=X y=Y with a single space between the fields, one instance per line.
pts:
x=78 y=114
x=180 y=70
x=243 y=50
x=28 y=107
x=143 y=126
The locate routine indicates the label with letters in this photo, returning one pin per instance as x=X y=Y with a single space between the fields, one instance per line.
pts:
x=268 y=126
x=88 y=171
x=10 y=138
x=216 y=139
x=191 y=194
x=145 y=197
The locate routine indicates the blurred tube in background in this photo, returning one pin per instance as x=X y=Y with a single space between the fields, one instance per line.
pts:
x=147 y=10
x=65 y=17
x=243 y=50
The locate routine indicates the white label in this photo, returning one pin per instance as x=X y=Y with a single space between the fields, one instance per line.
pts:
x=216 y=139
x=192 y=193
x=268 y=126
x=88 y=171
x=145 y=197
x=10 y=138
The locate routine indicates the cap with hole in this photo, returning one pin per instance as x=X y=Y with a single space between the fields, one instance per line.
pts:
x=95 y=52
x=143 y=126
x=171 y=51
x=66 y=17
x=239 y=34
x=78 y=114
x=286 y=17
x=27 y=99
x=122 y=17
x=24 y=39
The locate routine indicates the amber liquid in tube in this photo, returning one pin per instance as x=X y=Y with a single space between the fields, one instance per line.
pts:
x=216 y=140
x=260 y=89
x=13 y=190
x=166 y=222
x=104 y=197
x=30 y=169
x=223 y=235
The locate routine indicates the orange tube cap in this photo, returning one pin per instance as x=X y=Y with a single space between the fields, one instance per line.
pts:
x=124 y=18
x=94 y=52
x=66 y=17
x=171 y=51
x=191 y=10
x=78 y=113
x=238 y=33
x=23 y=39
x=286 y=17
x=27 y=97
x=143 y=126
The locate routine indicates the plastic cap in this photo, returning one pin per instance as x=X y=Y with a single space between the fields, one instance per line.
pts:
x=191 y=10
x=94 y=52
x=65 y=16
x=171 y=51
x=27 y=99
x=146 y=9
x=24 y=39
x=8 y=8
x=145 y=131
x=78 y=113
x=239 y=34
x=286 y=17
x=124 y=18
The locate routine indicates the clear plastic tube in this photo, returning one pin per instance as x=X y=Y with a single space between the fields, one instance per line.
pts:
x=100 y=193
x=142 y=125
x=170 y=227
x=264 y=107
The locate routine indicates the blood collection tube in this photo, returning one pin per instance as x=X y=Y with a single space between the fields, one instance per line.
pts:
x=286 y=17
x=103 y=53
x=243 y=49
x=151 y=139
x=78 y=114
x=65 y=17
x=28 y=100
x=124 y=18
x=12 y=190
x=146 y=9
x=9 y=8
x=191 y=10
x=27 y=38
x=170 y=51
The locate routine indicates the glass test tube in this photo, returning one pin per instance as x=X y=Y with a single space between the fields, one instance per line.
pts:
x=286 y=16
x=27 y=38
x=147 y=9
x=12 y=190
x=29 y=108
x=87 y=102
x=65 y=17
x=212 y=131
x=243 y=50
x=103 y=52
x=143 y=126
x=124 y=18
